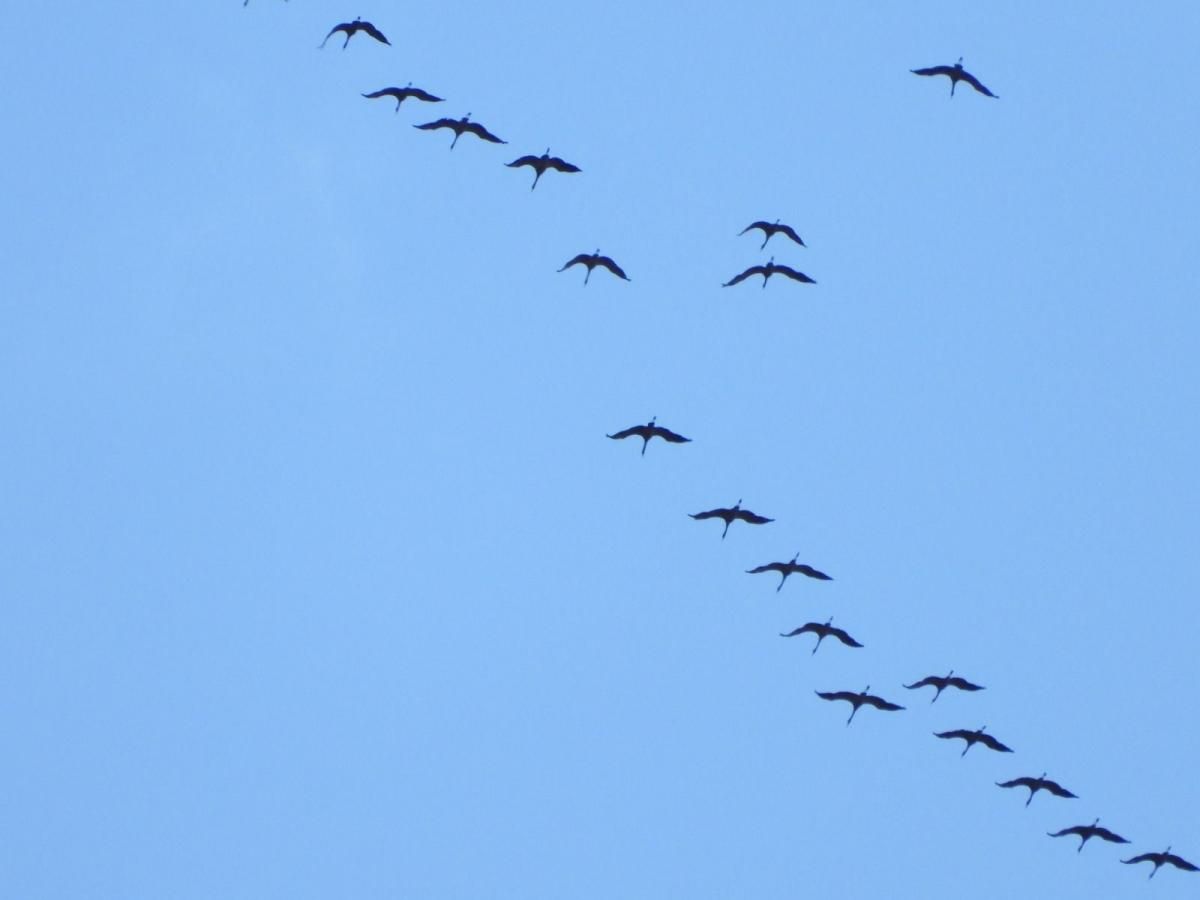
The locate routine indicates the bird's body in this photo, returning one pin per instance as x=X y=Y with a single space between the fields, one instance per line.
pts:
x=1163 y=859
x=955 y=73
x=1086 y=832
x=974 y=737
x=540 y=164
x=940 y=683
x=402 y=94
x=731 y=514
x=352 y=28
x=460 y=127
x=1041 y=783
x=822 y=632
x=789 y=568
x=767 y=271
x=770 y=229
x=591 y=260
x=645 y=432
x=862 y=698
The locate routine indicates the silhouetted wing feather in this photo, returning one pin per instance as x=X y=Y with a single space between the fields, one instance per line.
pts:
x=962 y=684
x=934 y=70
x=1180 y=863
x=807 y=628
x=384 y=92
x=1105 y=835
x=765 y=226
x=710 y=514
x=1076 y=830
x=956 y=733
x=976 y=83
x=988 y=741
x=345 y=26
x=879 y=703
x=838 y=695
x=419 y=94
x=737 y=279
x=581 y=260
x=1057 y=789
x=769 y=567
x=611 y=266
x=753 y=518
x=669 y=436
x=440 y=123
x=482 y=133
x=808 y=570
x=524 y=161
x=638 y=430
x=374 y=32
x=1141 y=857
x=843 y=637
x=790 y=232
x=1024 y=781
x=929 y=681
x=561 y=165
x=793 y=274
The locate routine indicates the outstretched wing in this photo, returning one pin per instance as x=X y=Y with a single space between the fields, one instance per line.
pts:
x=561 y=165
x=1057 y=789
x=765 y=226
x=808 y=570
x=838 y=695
x=928 y=681
x=669 y=436
x=482 y=133
x=737 y=279
x=956 y=733
x=608 y=263
x=962 y=684
x=934 y=70
x=806 y=628
x=753 y=518
x=385 y=92
x=1077 y=830
x=440 y=123
x=638 y=430
x=793 y=274
x=418 y=94
x=1179 y=862
x=374 y=32
x=1105 y=835
x=975 y=83
x=843 y=637
x=790 y=232
x=1024 y=781
x=581 y=260
x=710 y=514
x=880 y=703
x=769 y=567
x=526 y=160
x=1141 y=857
x=988 y=741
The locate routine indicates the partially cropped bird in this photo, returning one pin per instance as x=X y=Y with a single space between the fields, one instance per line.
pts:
x=591 y=260
x=767 y=271
x=352 y=28
x=956 y=73
x=974 y=737
x=859 y=699
x=1161 y=859
x=731 y=514
x=789 y=568
x=540 y=164
x=1084 y=832
x=460 y=127
x=1041 y=783
x=405 y=93
x=822 y=632
x=645 y=432
x=770 y=229
x=940 y=683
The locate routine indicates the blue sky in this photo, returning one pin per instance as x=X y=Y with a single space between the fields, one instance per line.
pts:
x=321 y=578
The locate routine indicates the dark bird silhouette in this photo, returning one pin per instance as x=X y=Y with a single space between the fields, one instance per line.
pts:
x=645 y=432
x=769 y=230
x=822 y=632
x=1041 y=783
x=1084 y=832
x=767 y=271
x=405 y=93
x=974 y=737
x=1160 y=859
x=859 y=699
x=789 y=568
x=460 y=127
x=540 y=164
x=591 y=260
x=729 y=515
x=352 y=28
x=951 y=680
x=956 y=74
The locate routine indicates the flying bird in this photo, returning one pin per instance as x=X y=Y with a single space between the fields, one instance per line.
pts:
x=540 y=164
x=405 y=93
x=352 y=28
x=1084 y=832
x=789 y=568
x=591 y=260
x=770 y=229
x=951 y=680
x=860 y=699
x=974 y=737
x=956 y=73
x=1041 y=783
x=822 y=632
x=460 y=127
x=1164 y=858
x=767 y=271
x=645 y=432
x=729 y=515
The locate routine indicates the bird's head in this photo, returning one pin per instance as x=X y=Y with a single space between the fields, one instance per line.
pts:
x=738 y=505
x=653 y=419
x=1040 y=777
x=1096 y=822
x=958 y=65
x=546 y=155
x=867 y=688
x=950 y=673
x=981 y=729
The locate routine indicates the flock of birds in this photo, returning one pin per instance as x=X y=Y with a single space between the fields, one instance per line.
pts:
x=728 y=515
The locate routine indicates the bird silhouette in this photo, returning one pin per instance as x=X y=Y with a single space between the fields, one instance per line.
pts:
x=822 y=632
x=956 y=74
x=767 y=271
x=352 y=28
x=1041 y=783
x=729 y=515
x=770 y=229
x=940 y=683
x=460 y=127
x=591 y=260
x=540 y=164
x=1084 y=832
x=645 y=432
x=1161 y=859
x=860 y=699
x=789 y=568
x=974 y=737
x=402 y=94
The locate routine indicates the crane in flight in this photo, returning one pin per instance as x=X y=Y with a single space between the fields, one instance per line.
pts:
x=1041 y=783
x=770 y=229
x=862 y=698
x=352 y=28
x=789 y=568
x=645 y=432
x=974 y=737
x=955 y=73
x=822 y=632
x=940 y=683
x=1162 y=859
x=1085 y=832
x=730 y=515
x=591 y=260
x=540 y=164
x=460 y=127
x=767 y=271
x=405 y=93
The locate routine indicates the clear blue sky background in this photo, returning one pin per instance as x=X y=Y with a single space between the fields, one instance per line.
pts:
x=320 y=578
